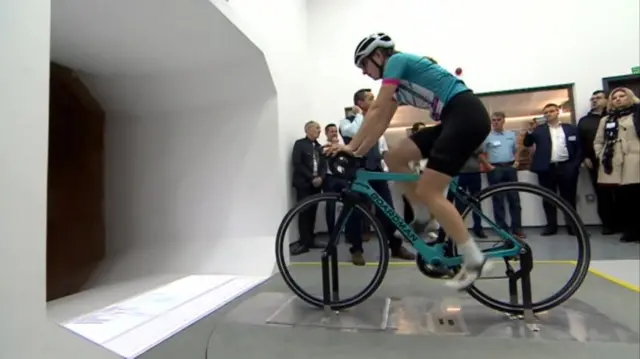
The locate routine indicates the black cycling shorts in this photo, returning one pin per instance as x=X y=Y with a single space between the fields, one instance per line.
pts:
x=464 y=125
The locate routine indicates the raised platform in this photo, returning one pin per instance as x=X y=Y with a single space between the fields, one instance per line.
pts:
x=574 y=321
x=410 y=315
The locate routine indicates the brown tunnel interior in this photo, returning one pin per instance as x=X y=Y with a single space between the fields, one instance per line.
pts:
x=75 y=185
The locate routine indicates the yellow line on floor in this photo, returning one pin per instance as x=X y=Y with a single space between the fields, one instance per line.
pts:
x=615 y=280
x=595 y=272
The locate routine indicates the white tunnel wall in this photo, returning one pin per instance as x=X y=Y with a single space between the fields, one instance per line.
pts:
x=499 y=44
x=183 y=194
x=191 y=137
x=279 y=28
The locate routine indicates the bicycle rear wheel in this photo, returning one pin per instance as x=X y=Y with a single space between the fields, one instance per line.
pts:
x=584 y=250
x=281 y=258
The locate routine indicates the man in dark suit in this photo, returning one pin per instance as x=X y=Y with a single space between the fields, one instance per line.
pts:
x=309 y=171
x=556 y=161
x=587 y=127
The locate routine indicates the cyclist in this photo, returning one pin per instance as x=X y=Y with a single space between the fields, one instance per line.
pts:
x=463 y=125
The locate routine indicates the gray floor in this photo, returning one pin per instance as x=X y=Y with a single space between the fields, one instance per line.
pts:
x=601 y=320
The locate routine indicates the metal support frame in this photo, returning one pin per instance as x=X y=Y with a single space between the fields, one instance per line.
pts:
x=330 y=282
x=524 y=275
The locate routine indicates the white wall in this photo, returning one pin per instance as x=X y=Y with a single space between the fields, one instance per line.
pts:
x=189 y=184
x=24 y=79
x=178 y=170
x=500 y=44
x=279 y=28
x=24 y=97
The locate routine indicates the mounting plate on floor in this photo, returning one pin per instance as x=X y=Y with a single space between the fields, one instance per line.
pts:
x=371 y=315
x=574 y=321
x=415 y=315
x=287 y=310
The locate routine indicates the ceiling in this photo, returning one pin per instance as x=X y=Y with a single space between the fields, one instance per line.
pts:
x=157 y=56
x=105 y=37
x=528 y=104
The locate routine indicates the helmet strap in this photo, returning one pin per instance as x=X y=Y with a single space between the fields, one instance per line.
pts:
x=380 y=66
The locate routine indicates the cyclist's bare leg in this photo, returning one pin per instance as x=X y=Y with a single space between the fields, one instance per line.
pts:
x=430 y=190
x=398 y=159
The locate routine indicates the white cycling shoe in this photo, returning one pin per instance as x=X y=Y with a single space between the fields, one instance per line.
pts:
x=468 y=275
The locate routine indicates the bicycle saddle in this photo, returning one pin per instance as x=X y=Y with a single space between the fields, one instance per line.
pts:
x=345 y=165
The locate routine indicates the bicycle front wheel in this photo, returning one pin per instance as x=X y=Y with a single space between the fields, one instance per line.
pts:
x=572 y=219
x=282 y=243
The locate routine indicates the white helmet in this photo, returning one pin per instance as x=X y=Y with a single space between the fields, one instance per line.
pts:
x=369 y=44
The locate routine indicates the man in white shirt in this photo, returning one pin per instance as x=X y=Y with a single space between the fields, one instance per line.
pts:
x=556 y=161
x=349 y=126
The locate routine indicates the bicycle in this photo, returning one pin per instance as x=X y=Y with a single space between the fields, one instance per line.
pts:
x=436 y=259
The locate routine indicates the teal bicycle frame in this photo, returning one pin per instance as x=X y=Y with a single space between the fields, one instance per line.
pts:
x=433 y=254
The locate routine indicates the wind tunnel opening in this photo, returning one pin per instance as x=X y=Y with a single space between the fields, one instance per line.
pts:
x=178 y=175
x=75 y=186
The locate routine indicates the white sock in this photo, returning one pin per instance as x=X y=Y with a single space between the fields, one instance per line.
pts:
x=433 y=226
x=421 y=213
x=471 y=253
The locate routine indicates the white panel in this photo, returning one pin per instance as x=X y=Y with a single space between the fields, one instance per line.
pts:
x=279 y=27
x=133 y=326
x=24 y=95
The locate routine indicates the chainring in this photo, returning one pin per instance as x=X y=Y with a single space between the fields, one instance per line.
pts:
x=435 y=272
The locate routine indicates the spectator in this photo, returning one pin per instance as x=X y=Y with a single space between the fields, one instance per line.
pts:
x=470 y=181
x=556 y=161
x=349 y=126
x=332 y=183
x=587 y=128
x=331 y=133
x=308 y=175
x=617 y=148
x=502 y=151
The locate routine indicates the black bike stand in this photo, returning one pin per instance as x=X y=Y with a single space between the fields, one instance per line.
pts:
x=330 y=284
x=524 y=275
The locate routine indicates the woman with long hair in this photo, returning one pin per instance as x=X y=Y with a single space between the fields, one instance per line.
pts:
x=617 y=148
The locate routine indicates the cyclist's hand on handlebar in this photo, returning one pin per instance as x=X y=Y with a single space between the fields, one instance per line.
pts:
x=334 y=148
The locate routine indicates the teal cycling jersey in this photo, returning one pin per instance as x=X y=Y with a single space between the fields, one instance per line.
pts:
x=421 y=82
